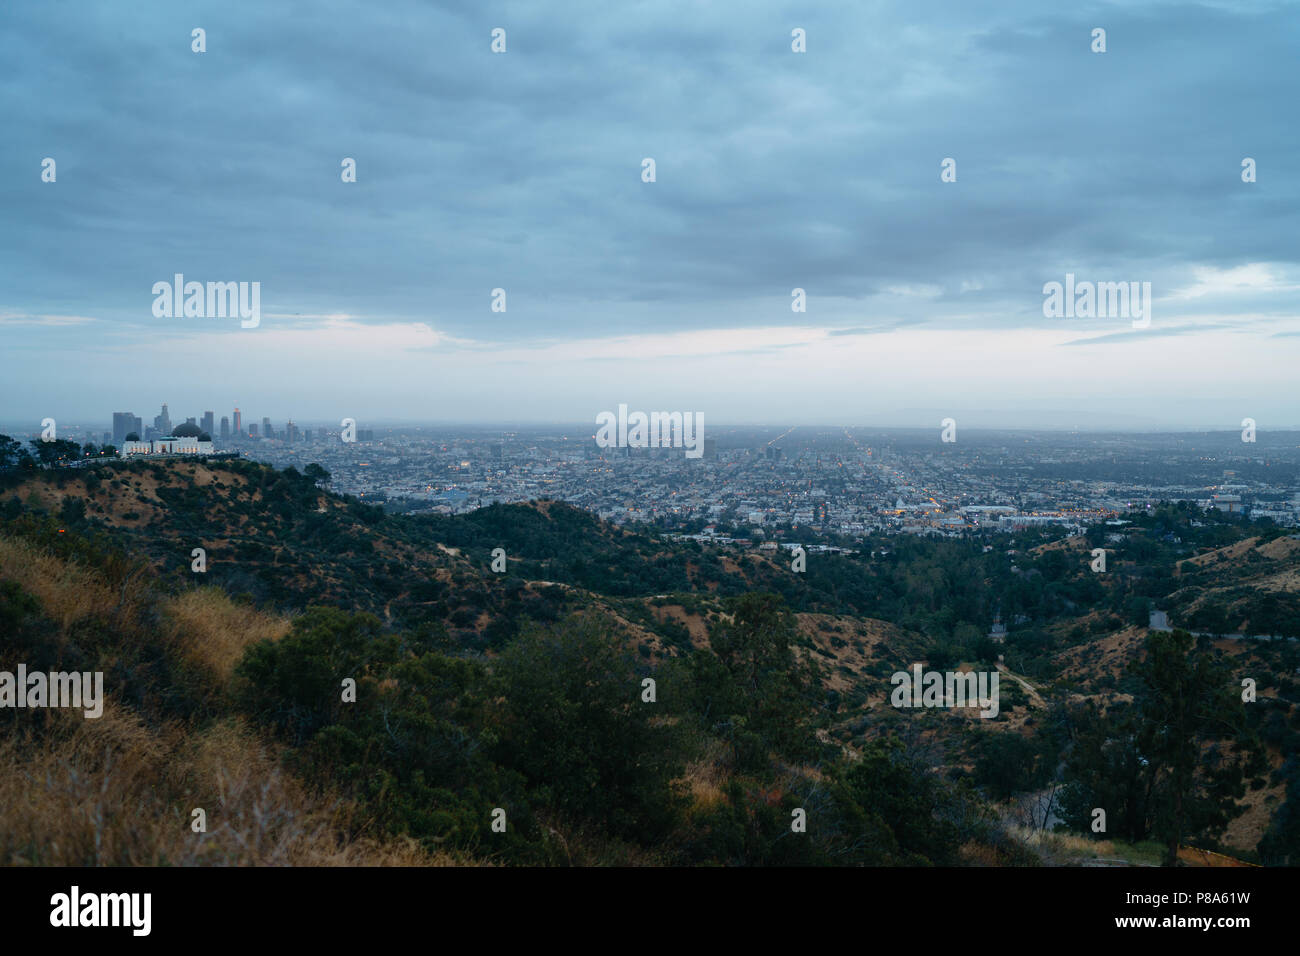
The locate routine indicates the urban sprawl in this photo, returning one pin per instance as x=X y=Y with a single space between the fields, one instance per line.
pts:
x=754 y=484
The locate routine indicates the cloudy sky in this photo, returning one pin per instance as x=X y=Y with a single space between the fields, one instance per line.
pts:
x=774 y=170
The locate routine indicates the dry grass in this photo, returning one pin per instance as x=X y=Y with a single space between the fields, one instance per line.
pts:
x=570 y=843
x=1065 y=849
x=110 y=792
x=1069 y=844
x=705 y=777
x=67 y=591
x=212 y=631
x=116 y=791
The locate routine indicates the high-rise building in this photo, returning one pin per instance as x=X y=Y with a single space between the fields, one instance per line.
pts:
x=163 y=421
x=291 y=432
x=266 y=428
x=225 y=428
x=252 y=431
x=239 y=424
x=209 y=422
x=123 y=424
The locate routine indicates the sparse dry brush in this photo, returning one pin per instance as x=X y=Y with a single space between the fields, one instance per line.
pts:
x=68 y=592
x=211 y=631
x=707 y=775
x=113 y=792
x=119 y=790
x=1062 y=848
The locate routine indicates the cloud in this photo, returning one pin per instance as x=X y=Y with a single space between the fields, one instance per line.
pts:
x=1253 y=277
x=874 y=329
x=521 y=171
x=1156 y=332
x=13 y=318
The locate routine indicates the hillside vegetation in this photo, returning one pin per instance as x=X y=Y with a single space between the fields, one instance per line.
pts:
x=617 y=697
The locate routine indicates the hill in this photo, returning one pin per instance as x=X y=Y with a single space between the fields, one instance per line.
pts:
x=524 y=689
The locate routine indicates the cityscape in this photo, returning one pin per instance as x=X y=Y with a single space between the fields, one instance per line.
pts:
x=753 y=484
x=442 y=442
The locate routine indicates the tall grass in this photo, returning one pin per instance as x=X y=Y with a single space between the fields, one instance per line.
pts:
x=68 y=592
x=112 y=792
x=212 y=631
x=120 y=790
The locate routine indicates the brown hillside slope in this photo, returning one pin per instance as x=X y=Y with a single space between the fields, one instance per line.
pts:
x=120 y=791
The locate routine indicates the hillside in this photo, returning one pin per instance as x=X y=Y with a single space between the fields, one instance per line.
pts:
x=524 y=689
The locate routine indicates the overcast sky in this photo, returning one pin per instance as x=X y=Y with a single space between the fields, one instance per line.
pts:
x=774 y=170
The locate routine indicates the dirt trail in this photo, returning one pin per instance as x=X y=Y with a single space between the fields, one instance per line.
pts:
x=1035 y=699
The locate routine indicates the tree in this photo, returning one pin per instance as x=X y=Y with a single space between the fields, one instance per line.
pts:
x=12 y=453
x=574 y=723
x=1006 y=764
x=316 y=474
x=895 y=811
x=1189 y=706
x=1280 y=845
x=50 y=452
x=1173 y=764
x=293 y=684
x=1136 y=610
x=752 y=687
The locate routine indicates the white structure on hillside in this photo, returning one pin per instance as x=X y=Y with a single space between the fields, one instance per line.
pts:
x=167 y=445
x=998 y=633
x=187 y=440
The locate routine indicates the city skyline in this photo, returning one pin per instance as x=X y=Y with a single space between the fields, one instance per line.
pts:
x=92 y=421
x=979 y=423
